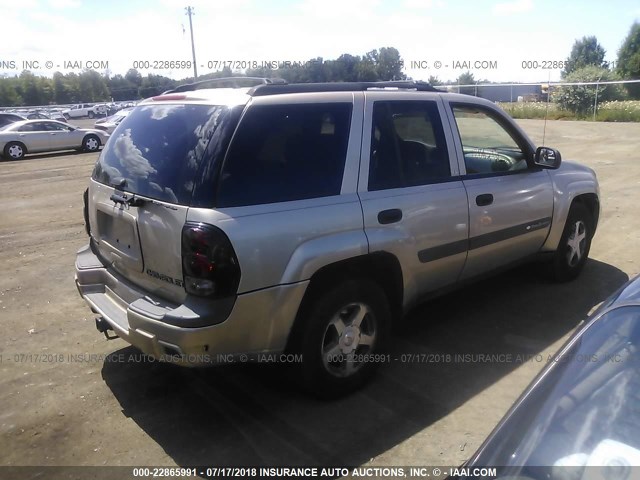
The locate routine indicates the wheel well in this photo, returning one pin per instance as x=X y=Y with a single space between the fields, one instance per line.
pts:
x=592 y=203
x=381 y=267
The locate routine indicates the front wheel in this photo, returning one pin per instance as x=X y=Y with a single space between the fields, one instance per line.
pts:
x=574 y=246
x=14 y=151
x=345 y=330
x=91 y=143
x=91 y=115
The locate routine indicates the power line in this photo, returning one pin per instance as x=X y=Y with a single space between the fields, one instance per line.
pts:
x=551 y=84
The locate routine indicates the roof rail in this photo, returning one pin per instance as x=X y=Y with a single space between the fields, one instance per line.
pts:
x=226 y=82
x=274 y=89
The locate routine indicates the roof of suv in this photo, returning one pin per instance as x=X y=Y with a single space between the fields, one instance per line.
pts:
x=238 y=90
x=214 y=96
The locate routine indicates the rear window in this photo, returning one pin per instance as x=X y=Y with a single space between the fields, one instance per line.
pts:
x=157 y=150
x=286 y=152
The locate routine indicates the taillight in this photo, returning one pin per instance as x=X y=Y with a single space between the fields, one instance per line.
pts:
x=209 y=263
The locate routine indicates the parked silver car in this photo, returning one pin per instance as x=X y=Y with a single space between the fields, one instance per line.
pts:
x=32 y=136
x=8 y=118
x=41 y=115
x=239 y=223
x=580 y=417
x=110 y=123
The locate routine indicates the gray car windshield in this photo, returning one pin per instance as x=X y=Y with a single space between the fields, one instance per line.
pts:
x=157 y=149
x=585 y=411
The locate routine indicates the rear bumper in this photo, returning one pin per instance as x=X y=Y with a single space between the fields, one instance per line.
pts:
x=252 y=323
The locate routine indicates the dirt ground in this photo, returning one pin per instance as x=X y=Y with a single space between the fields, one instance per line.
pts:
x=69 y=397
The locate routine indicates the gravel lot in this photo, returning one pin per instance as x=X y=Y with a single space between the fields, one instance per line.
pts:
x=69 y=397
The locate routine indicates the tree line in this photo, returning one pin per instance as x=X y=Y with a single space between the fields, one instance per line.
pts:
x=585 y=63
x=90 y=86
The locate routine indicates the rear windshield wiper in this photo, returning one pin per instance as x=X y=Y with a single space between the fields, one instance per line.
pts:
x=123 y=199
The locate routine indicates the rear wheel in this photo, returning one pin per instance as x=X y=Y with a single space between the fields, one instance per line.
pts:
x=346 y=327
x=91 y=115
x=91 y=143
x=14 y=150
x=574 y=246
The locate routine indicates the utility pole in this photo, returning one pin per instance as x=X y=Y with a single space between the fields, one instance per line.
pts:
x=193 y=47
x=595 y=103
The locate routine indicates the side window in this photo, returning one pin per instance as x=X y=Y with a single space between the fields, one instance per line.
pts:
x=26 y=128
x=38 y=127
x=488 y=147
x=286 y=152
x=407 y=145
x=54 y=127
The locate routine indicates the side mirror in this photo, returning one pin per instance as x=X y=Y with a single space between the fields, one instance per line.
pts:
x=547 y=158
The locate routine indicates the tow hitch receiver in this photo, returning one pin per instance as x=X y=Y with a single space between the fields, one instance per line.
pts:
x=104 y=327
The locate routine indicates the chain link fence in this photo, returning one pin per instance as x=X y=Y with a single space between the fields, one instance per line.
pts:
x=540 y=99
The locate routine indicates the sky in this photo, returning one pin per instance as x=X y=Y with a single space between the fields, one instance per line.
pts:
x=496 y=40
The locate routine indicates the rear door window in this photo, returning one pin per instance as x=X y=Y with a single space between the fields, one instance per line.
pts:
x=408 y=146
x=286 y=152
x=157 y=149
x=54 y=127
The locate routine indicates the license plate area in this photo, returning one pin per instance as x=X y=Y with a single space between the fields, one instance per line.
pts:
x=118 y=238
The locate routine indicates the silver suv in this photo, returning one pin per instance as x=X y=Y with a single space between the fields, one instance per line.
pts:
x=240 y=223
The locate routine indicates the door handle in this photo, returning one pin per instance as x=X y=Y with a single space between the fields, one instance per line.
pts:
x=484 y=200
x=392 y=215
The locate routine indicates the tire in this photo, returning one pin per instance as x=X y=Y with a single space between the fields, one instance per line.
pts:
x=574 y=246
x=337 y=324
x=90 y=143
x=14 y=151
x=91 y=115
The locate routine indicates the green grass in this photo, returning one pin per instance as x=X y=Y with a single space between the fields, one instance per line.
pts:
x=535 y=110
x=618 y=111
x=621 y=111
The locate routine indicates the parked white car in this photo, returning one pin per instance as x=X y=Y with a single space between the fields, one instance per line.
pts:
x=85 y=110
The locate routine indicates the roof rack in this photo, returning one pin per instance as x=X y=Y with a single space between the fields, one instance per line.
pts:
x=279 y=88
x=226 y=82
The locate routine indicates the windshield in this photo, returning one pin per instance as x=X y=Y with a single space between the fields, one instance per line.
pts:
x=157 y=149
x=584 y=412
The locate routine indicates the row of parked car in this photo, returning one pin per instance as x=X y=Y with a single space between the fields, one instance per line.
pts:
x=8 y=117
x=35 y=131
x=64 y=113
